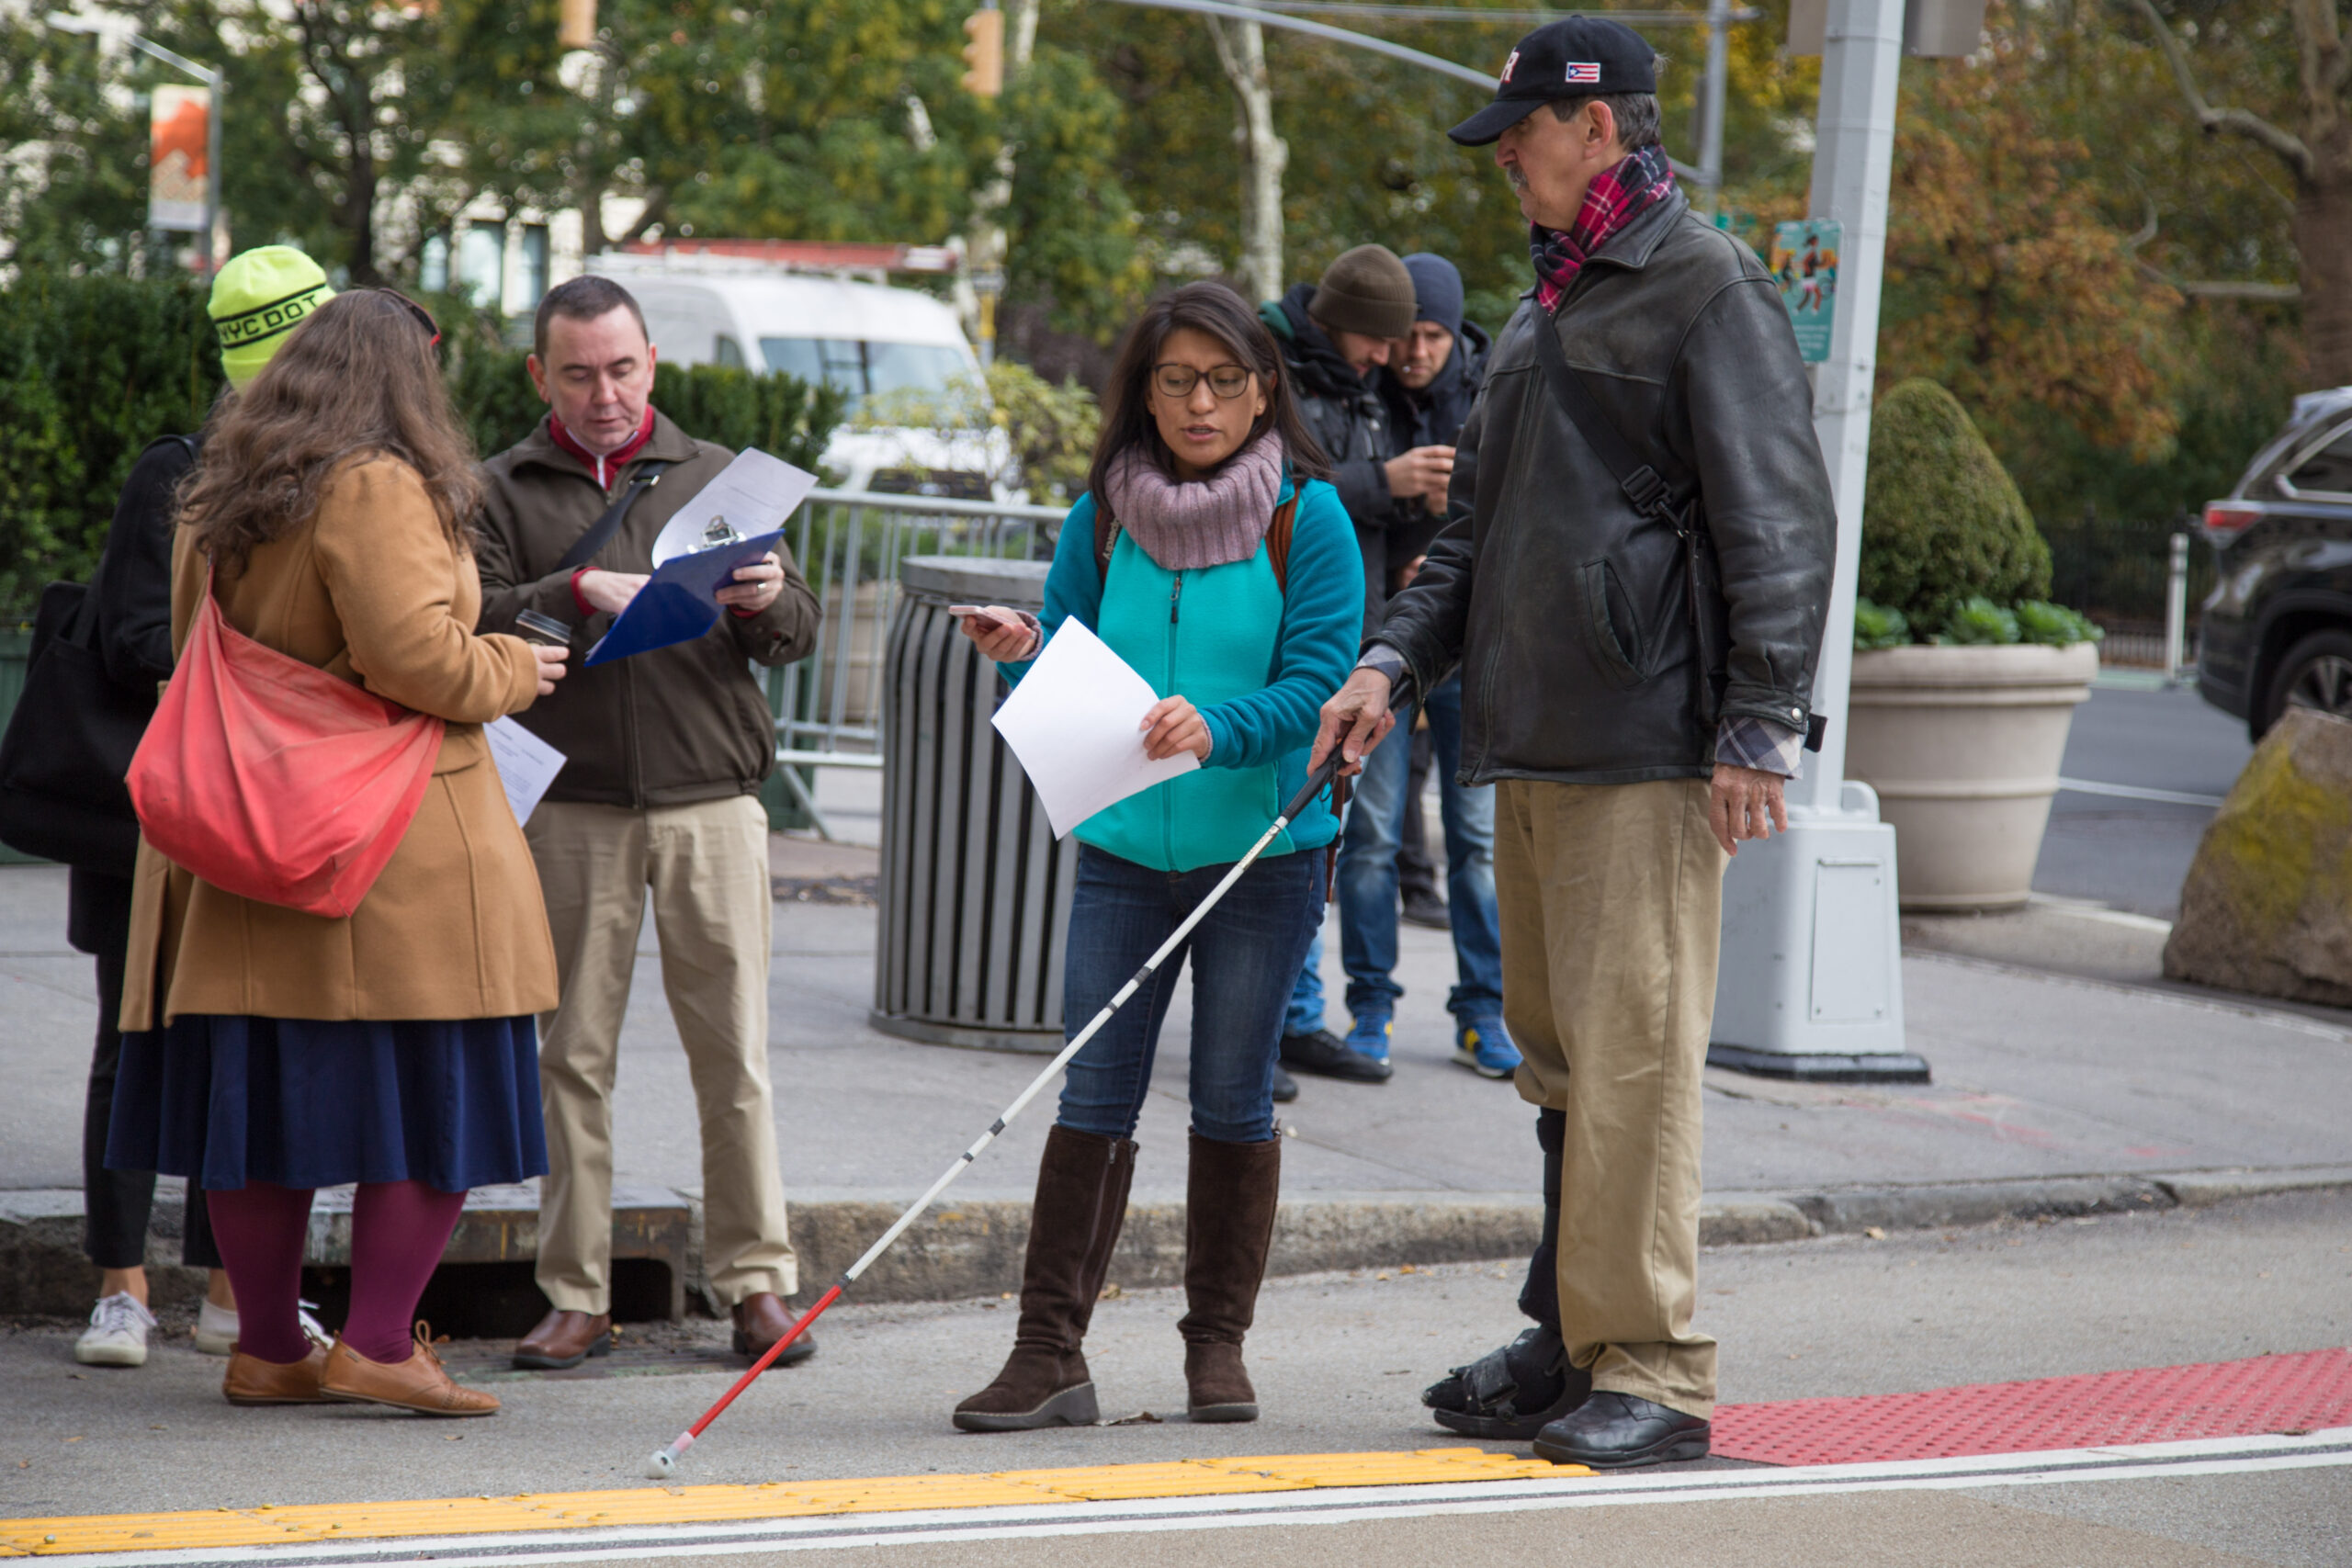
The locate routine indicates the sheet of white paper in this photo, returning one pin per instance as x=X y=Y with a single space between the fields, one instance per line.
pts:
x=1073 y=721
x=526 y=764
x=755 y=494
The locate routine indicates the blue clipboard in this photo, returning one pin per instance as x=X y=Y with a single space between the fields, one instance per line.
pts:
x=680 y=601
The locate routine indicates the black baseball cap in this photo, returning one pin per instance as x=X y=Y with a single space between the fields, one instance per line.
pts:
x=1576 y=57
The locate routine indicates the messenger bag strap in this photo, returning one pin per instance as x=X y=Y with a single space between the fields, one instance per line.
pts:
x=1649 y=494
x=583 y=548
x=1640 y=482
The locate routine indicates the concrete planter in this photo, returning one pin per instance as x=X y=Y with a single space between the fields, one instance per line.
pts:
x=1962 y=745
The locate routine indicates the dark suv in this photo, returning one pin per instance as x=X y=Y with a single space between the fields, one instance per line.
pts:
x=2278 y=626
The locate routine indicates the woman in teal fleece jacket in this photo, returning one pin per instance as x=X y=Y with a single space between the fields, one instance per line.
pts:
x=1227 y=574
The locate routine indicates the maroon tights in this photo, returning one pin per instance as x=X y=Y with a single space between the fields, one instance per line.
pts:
x=398 y=1231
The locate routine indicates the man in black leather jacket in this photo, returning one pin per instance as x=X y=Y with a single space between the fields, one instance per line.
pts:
x=1639 y=698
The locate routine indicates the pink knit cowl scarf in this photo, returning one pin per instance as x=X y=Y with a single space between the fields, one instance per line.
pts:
x=1185 y=524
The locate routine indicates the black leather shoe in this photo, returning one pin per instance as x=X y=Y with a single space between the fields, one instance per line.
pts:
x=1509 y=1394
x=1616 y=1431
x=1324 y=1052
x=1285 y=1088
x=1424 y=907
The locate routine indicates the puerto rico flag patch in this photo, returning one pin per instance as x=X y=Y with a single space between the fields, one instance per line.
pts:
x=1584 y=72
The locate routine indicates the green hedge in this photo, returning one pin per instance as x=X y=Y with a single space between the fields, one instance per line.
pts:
x=1942 y=521
x=91 y=369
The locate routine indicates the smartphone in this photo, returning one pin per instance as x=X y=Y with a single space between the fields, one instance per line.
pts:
x=976 y=613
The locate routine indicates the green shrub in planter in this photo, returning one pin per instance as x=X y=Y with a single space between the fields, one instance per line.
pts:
x=2041 y=621
x=1943 y=522
x=1980 y=622
x=1875 y=626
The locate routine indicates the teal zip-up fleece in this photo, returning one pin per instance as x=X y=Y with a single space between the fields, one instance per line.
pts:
x=1258 y=662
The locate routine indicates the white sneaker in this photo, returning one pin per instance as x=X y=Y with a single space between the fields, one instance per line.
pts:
x=118 y=1333
x=312 y=1329
x=216 y=1329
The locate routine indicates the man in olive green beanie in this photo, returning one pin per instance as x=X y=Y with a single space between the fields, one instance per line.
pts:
x=1367 y=292
x=257 y=301
x=1336 y=333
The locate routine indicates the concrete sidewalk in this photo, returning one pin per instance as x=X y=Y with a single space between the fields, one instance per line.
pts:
x=2096 y=1089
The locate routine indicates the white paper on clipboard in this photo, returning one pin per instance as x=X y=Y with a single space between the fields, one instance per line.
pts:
x=1075 y=722
x=526 y=764
x=754 y=495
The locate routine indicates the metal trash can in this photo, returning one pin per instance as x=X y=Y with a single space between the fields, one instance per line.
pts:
x=975 y=890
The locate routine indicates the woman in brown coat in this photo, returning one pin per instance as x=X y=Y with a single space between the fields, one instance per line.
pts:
x=268 y=1051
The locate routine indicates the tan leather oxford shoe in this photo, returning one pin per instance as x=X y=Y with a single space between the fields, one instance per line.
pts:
x=419 y=1383
x=252 y=1381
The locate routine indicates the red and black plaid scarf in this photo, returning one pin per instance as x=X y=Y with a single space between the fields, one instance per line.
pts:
x=1614 y=199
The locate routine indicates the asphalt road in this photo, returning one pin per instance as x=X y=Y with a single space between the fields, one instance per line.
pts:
x=2132 y=854
x=1340 y=1360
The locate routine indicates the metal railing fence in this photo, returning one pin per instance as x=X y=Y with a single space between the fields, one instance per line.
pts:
x=848 y=544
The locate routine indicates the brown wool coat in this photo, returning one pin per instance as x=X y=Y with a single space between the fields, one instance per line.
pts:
x=372 y=590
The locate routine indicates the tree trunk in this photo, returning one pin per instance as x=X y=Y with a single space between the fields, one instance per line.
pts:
x=2324 y=246
x=1021 y=20
x=1241 y=48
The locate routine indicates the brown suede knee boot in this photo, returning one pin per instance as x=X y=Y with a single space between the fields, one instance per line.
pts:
x=1228 y=1225
x=1081 y=1202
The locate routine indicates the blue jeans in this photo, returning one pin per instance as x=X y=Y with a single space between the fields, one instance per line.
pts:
x=1246 y=955
x=1368 y=872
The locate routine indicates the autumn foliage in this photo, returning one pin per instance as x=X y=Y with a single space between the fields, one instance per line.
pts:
x=2007 y=285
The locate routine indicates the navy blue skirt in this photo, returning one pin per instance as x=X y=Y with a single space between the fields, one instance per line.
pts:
x=295 y=1102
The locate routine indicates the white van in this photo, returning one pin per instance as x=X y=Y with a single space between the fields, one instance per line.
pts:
x=862 y=337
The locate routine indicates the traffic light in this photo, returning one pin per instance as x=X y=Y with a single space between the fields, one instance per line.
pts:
x=576 y=25
x=984 y=56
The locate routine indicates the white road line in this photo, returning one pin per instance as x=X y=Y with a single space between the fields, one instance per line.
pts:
x=2135 y=791
x=2229 y=1456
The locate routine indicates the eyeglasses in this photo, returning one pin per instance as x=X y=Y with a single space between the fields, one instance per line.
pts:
x=423 y=316
x=1228 y=381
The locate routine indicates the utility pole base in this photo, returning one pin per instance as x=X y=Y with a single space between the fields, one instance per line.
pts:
x=1810 y=984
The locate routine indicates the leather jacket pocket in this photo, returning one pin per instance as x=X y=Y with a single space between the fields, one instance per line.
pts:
x=1612 y=640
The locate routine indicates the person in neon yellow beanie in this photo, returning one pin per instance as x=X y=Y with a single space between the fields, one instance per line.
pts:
x=257 y=301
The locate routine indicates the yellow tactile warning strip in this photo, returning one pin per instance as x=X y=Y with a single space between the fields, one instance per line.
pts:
x=271 y=1525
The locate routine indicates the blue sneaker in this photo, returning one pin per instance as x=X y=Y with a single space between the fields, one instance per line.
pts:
x=1369 y=1039
x=1485 y=1049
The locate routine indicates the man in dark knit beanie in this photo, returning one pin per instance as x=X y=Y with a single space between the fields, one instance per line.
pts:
x=1366 y=292
x=1336 y=333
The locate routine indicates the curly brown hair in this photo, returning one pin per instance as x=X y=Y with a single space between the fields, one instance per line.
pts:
x=357 y=379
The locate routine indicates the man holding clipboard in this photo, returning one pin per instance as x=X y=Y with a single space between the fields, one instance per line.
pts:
x=666 y=751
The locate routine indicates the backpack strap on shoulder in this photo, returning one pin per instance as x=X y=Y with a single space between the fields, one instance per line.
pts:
x=1278 y=533
x=1106 y=539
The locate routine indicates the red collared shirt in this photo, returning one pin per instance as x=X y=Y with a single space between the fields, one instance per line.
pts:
x=608 y=467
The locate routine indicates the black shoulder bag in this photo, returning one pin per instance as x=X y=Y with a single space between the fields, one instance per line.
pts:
x=70 y=742
x=583 y=548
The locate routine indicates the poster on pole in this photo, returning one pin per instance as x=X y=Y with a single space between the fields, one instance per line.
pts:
x=1804 y=263
x=178 y=167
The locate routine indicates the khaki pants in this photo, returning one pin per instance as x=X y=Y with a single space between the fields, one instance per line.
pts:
x=1611 y=905
x=706 y=865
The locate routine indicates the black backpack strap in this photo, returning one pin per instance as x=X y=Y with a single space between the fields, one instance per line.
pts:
x=583 y=548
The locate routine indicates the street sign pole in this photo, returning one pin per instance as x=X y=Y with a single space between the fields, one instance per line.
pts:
x=1811 y=983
